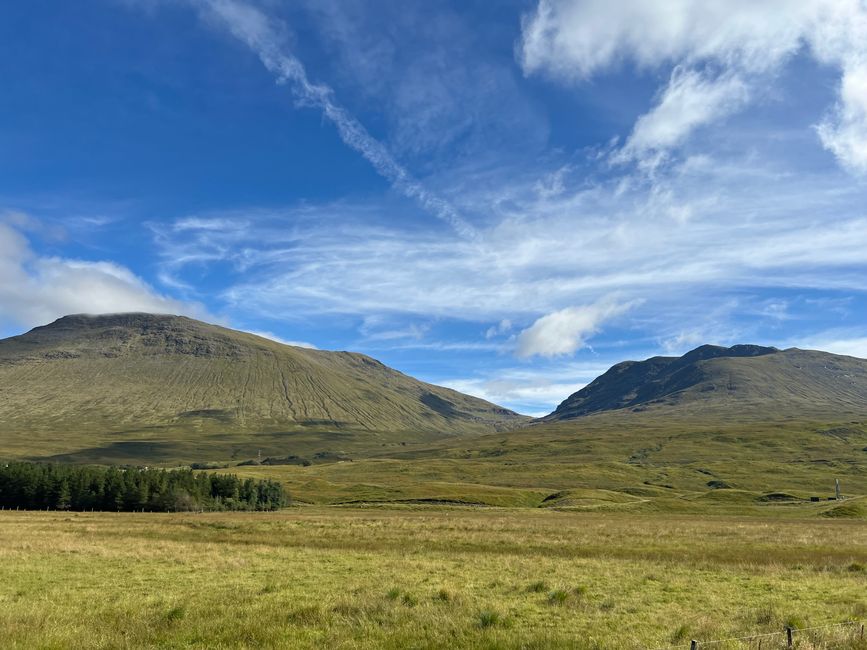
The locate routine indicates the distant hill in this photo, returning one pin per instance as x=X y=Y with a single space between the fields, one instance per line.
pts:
x=740 y=381
x=117 y=379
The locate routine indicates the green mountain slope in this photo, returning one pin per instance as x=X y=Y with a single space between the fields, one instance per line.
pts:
x=741 y=382
x=123 y=380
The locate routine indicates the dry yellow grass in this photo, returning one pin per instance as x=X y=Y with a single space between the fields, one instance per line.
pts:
x=478 y=578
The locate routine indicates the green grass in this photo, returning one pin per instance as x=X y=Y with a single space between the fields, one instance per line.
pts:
x=477 y=578
x=617 y=463
x=622 y=462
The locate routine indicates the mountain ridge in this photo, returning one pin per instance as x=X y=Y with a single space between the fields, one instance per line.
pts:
x=742 y=376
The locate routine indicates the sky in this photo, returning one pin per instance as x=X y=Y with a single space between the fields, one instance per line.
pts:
x=505 y=198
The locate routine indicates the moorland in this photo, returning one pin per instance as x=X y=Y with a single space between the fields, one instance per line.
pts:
x=672 y=499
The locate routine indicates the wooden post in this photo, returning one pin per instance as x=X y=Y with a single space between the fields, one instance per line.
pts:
x=693 y=645
x=789 y=642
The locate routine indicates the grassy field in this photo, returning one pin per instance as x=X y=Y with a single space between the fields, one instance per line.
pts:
x=423 y=577
x=617 y=462
x=620 y=461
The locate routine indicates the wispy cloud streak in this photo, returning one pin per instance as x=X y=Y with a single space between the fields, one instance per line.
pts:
x=263 y=36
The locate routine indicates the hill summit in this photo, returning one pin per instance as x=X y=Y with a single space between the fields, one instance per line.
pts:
x=740 y=380
x=136 y=374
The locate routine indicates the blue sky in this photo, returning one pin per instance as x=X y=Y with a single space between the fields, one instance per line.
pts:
x=506 y=198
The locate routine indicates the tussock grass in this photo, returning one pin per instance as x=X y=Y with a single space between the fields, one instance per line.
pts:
x=490 y=618
x=393 y=594
x=558 y=597
x=444 y=596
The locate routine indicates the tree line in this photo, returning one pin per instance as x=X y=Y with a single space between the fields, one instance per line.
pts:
x=40 y=486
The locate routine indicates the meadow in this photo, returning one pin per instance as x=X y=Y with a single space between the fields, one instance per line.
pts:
x=418 y=577
x=616 y=462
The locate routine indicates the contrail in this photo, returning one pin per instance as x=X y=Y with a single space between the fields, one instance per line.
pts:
x=259 y=33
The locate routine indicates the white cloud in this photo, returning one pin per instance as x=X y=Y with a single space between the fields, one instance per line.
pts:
x=38 y=289
x=845 y=132
x=737 y=44
x=683 y=341
x=750 y=224
x=273 y=337
x=379 y=328
x=566 y=331
x=503 y=327
x=690 y=100
x=574 y=39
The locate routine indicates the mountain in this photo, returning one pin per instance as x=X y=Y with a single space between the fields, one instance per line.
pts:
x=131 y=379
x=740 y=381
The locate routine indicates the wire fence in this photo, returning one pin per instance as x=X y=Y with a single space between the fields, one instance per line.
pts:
x=818 y=637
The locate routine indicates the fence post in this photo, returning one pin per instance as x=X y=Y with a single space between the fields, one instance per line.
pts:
x=693 y=645
x=789 y=641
